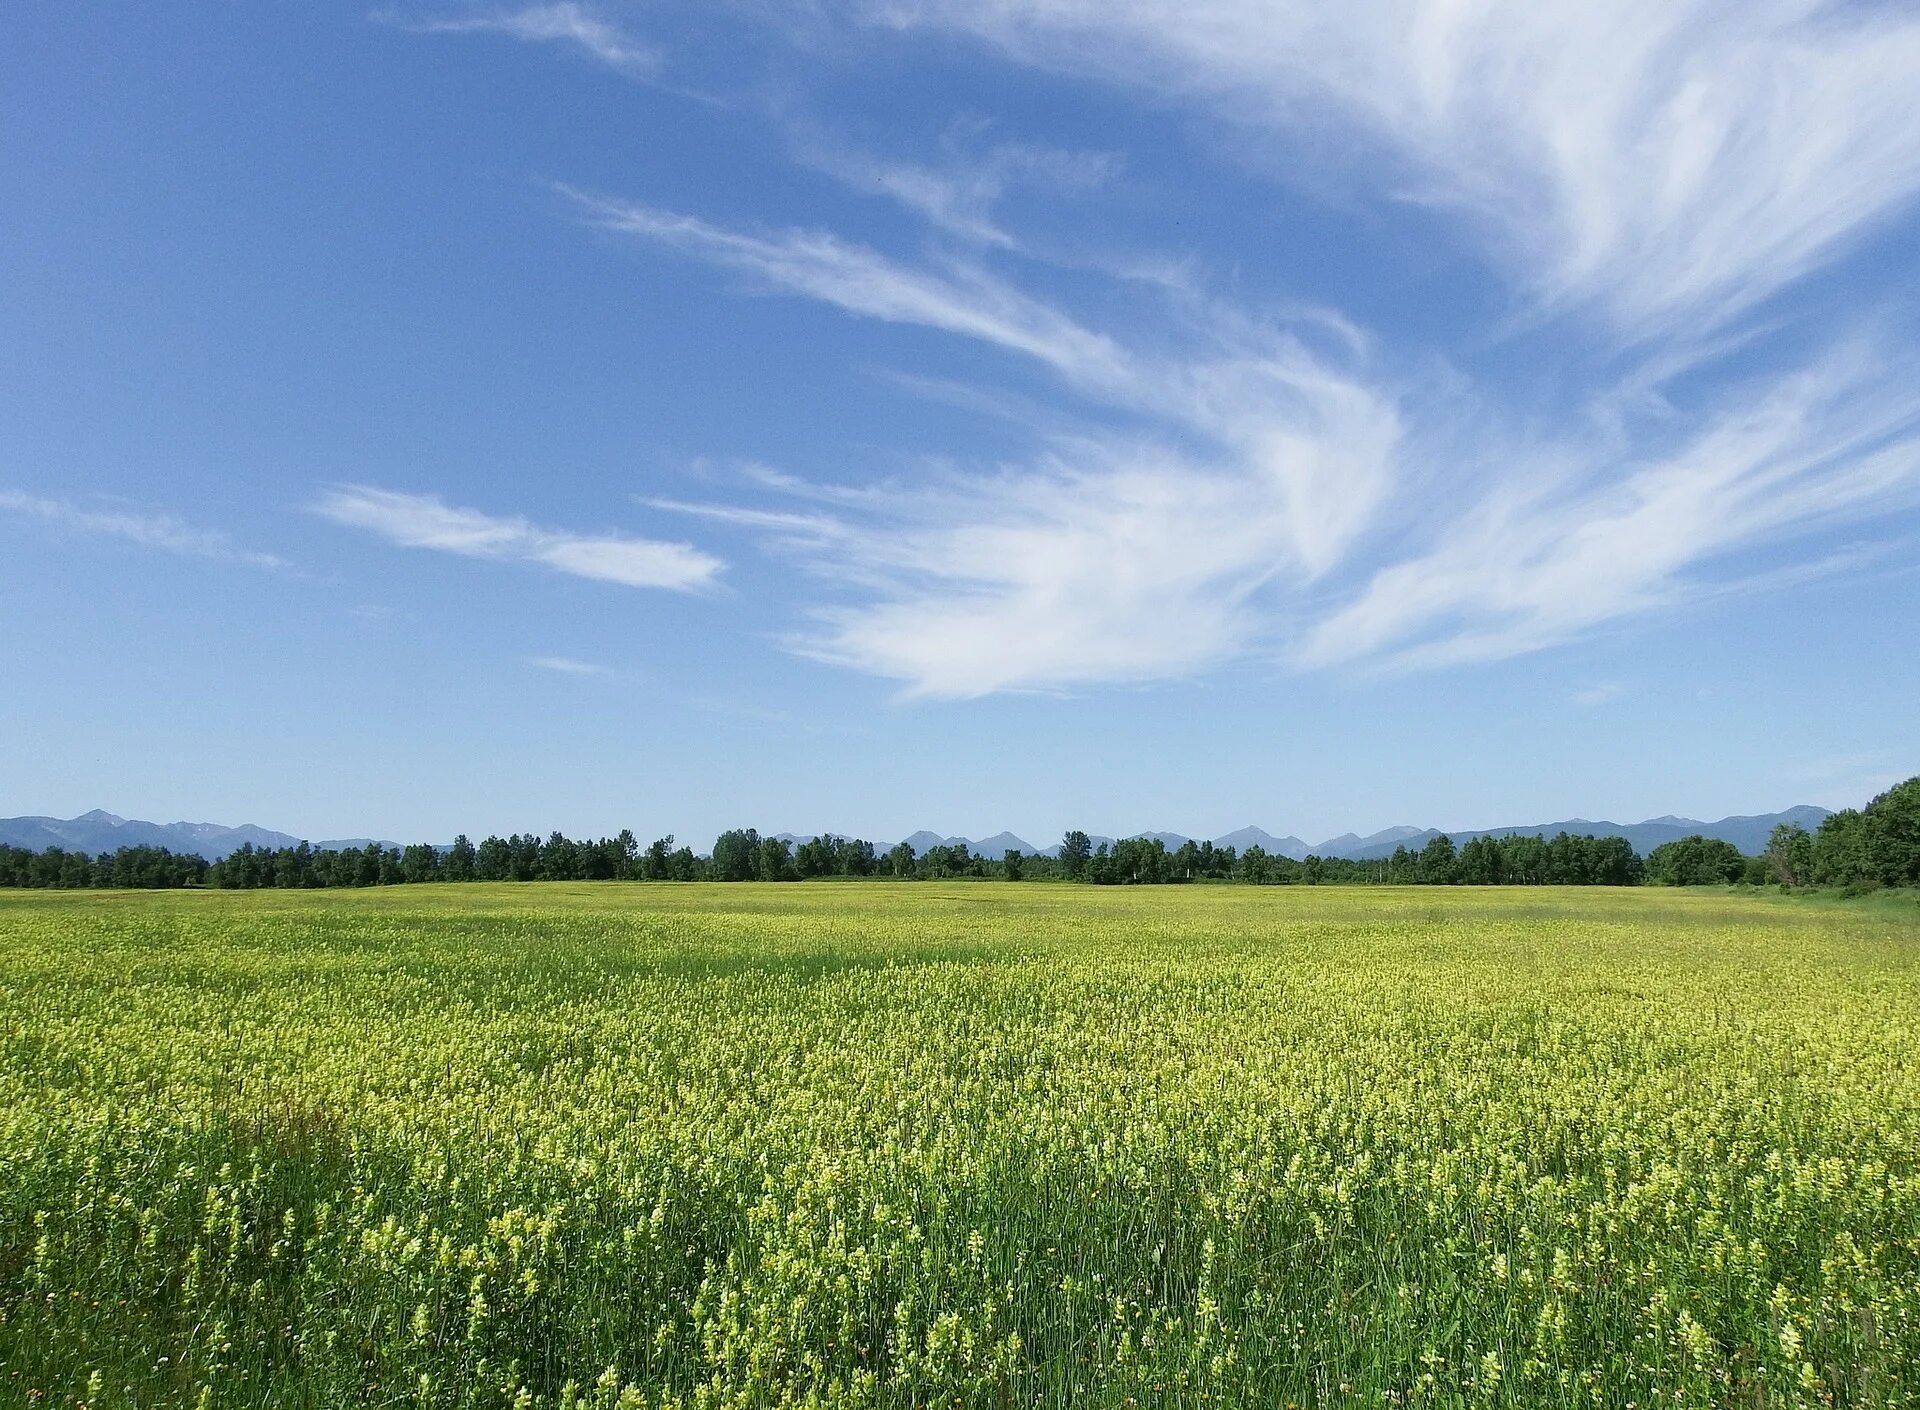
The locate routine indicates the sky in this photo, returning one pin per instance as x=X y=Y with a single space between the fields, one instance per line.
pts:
x=898 y=414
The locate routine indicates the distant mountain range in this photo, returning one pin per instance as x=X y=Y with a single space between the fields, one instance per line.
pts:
x=1749 y=834
x=100 y=831
x=103 y=832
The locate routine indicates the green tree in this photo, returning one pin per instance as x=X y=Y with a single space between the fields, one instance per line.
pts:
x=1482 y=862
x=736 y=855
x=1840 y=851
x=1790 y=855
x=657 y=864
x=774 y=861
x=818 y=857
x=492 y=861
x=420 y=863
x=1696 y=861
x=523 y=857
x=1893 y=835
x=560 y=859
x=1614 y=862
x=1076 y=850
x=460 y=859
x=1438 y=861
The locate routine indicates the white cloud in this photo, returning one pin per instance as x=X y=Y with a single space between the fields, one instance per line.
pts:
x=801 y=528
x=1137 y=556
x=1116 y=560
x=1533 y=565
x=1261 y=485
x=425 y=521
x=1118 y=564
x=563 y=23
x=566 y=666
x=1058 y=576
x=163 y=531
x=1666 y=160
x=959 y=195
x=1591 y=697
x=965 y=299
x=1124 y=564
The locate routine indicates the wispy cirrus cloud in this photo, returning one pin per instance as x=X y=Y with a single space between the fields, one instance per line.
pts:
x=1532 y=565
x=1661 y=160
x=1120 y=558
x=1130 y=559
x=1316 y=433
x=806 y=529
x=567 y=666
x=964 y=299
x=427 y=521
x=959 y=194
x=149 y=528
x=565 y=23
x=1230 y=483
x=1059 y=574
x=1096 y=564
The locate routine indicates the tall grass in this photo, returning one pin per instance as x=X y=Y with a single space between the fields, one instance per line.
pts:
x=963 y=1145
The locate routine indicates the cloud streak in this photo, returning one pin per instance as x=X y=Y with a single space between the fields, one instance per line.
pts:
x=566 y=666
x=1532 y=566
x=1660 y=160
x=959 y=196
x=163 y=531
x=426 y=521
x=1076 y=574
x=567 y=24
x=1280 y=487
x=1121 y=559
x=965 y=299
x=1263 y=469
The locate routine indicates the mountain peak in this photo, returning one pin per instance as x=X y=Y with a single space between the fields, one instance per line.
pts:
x=1251 y=836
x=996 y=847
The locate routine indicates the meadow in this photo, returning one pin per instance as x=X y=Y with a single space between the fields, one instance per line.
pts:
x=894 y=1144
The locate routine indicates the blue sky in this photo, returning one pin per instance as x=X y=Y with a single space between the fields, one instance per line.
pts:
x=1112 y=413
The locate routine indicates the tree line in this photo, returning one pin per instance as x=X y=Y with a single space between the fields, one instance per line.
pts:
x=1856 y=849
x=142 y=868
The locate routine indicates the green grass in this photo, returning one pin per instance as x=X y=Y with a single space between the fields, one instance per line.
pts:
x=967 y=1144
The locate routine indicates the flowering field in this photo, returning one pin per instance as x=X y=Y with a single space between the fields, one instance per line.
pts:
x=975 y=1145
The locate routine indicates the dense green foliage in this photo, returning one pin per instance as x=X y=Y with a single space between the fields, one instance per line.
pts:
x=1878 y=845
x=141 y=868
x=1858 y=849
x=1696 y=861
x=744 y=855
x=889 y=1146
